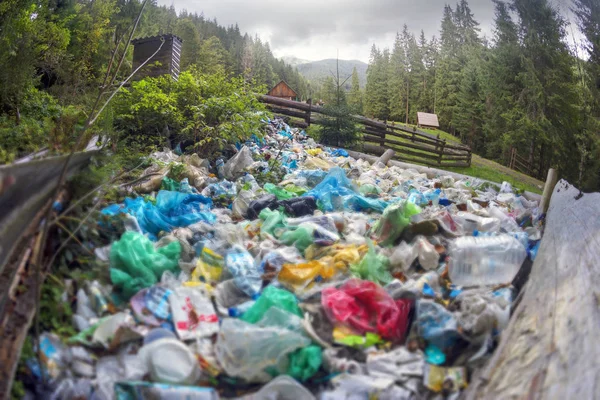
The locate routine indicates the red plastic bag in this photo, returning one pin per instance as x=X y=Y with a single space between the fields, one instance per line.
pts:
x=367 y=307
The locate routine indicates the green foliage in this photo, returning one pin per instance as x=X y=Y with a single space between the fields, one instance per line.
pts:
x=209 y=110
x=338 y=129
x=355 y=97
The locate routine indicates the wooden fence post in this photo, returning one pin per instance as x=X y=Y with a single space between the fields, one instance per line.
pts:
x=441 y=152
x=548 y=189
x=307 y=119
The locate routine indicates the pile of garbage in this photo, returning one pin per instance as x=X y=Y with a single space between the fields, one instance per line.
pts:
x=344 y=280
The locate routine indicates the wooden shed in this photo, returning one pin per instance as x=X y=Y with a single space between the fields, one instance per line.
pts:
x=427 y=120
x=284 y=91
x=165 y=62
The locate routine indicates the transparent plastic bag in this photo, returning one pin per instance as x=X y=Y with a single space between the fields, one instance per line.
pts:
x=236 y=164
x=374 y=266
x=395 y=218
x=245 y=350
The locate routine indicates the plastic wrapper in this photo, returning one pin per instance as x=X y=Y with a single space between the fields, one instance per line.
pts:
x=246 y=275
x=193 y=313
x=366 y=307
x=299 y=276
x=374 y=266
x=272 y=297
x=337 y=256
x=238 y=163
x=151 y=306
x=438 y=378
x=241 y=203
x=223 y=188
x=245 y=350
x=395 y=218
x=137 y=264
x=398 y=364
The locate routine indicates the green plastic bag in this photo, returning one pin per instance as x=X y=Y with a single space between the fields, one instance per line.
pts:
x=272 y=297
x=272 y=220
x=395 y=218
x=297 y=190
x=279 y=192
x=301 y=237
x=373 y=267
x=136 y=264
x=305 y=362
x=370 y=339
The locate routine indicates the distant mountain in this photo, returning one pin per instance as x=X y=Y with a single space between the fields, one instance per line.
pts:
x=294 y=61
x=317 y=71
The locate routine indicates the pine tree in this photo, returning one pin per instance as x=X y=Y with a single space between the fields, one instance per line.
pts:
x=355 y=96
x=547 y=117
x=376 y=97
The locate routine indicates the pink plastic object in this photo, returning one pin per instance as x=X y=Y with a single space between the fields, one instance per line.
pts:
x=366 y=307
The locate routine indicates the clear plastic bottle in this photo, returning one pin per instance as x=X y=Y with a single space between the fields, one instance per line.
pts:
x=487 y=260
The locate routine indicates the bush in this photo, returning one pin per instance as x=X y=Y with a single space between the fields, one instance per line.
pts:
x=207 y=111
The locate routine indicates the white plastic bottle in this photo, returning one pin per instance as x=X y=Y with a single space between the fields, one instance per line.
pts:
x=487 y=260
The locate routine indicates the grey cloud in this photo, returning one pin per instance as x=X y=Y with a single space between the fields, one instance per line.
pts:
x=317 y=23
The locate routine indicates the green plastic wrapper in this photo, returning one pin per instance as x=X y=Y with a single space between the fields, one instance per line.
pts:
x=170 y=184
x=136 y=264
x=305 y=362
x=395 y=218
x=301 y=237
x=272 y=220
x=279 y=192
x=373 y=267
x=272 y=297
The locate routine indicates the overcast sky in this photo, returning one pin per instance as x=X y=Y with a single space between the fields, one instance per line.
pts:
x=316 y=29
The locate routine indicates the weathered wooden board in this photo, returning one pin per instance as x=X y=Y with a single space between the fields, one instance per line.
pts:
x=551 y=348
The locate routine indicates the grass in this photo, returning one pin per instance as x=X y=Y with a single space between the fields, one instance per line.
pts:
x=484 y=168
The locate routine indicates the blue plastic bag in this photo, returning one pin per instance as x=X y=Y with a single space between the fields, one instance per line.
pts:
x=172 y=210
x=330 y=192
x=313 y=176
x=339 y=153
x=435 y=324
x=357 y=202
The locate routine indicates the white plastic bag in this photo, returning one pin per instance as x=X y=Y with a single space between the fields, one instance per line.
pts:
x=238 y=163
x=193 y=313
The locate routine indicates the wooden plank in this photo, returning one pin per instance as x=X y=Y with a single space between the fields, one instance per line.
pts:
x=415 y=138
x=550 y=349
x=288 y=112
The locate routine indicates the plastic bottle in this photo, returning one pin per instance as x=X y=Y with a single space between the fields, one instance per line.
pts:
x=220 y=164
x=477 y=261
x=240 y=309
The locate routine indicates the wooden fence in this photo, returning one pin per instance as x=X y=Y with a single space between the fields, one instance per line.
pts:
x=521 y=164
x=377 y=136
